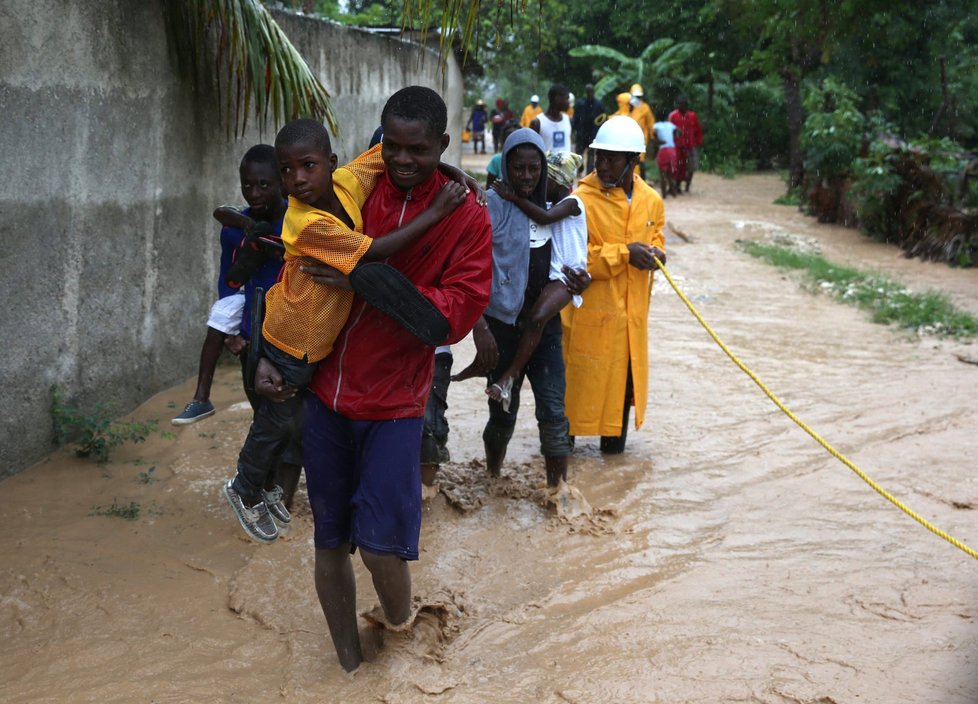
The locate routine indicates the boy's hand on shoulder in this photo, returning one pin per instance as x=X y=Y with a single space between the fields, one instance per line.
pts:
x=480 y=193
x=450 y=196
x=504 y=190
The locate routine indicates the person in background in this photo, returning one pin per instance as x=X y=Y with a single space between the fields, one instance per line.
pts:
x=643 y=115
x=531 y=111
x=688 y=142
x=624 y=104
x=666 y=134
x=477 y=126
x=554 y=126
x=588 y=115
x=494 y=169
x=500 y=115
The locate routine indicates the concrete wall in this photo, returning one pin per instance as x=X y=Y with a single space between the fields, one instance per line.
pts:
x=112 y=165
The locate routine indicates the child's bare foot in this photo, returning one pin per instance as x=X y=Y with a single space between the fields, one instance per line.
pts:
x=469 y=372
x=501 y=391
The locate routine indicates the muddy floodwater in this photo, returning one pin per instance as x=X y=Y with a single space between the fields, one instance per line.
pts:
x=726 y=557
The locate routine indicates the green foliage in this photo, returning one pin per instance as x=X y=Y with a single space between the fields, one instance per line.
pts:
x=94 y=434
x=792 y=197
x=833 y=132
x=888 y=302
x=244 y=53
x=878 y=186
x=661 y=59
x=128 y=512
x=147 y=476
x=759 y=126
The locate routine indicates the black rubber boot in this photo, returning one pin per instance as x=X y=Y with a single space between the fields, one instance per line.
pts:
x=615 y=445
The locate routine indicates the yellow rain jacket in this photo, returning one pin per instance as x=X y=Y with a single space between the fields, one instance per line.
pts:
x=643 y=115
x=623 y=107
x=529 y=114
x=610 y=330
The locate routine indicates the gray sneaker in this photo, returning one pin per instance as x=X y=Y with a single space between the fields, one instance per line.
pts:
x=256 y=520
x=276 y=507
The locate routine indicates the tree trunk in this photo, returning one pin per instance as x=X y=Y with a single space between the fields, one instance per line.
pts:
x=796 y=119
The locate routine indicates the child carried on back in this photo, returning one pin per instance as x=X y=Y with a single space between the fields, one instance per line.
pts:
x=303 y=318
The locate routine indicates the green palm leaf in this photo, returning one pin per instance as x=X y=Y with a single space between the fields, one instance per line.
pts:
x=592 y=51
x=239 y=46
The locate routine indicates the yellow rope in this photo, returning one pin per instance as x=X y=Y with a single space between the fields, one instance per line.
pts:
x=835 y=453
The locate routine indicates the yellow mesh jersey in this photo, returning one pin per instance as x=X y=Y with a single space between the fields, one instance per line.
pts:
x=303 y=318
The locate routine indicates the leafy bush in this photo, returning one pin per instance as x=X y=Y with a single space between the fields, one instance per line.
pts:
x=910 y=193
x=95 y=434
x=761 y=123
x=833 y=131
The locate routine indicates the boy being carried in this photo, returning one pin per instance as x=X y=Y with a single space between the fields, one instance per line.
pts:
x=323 y=224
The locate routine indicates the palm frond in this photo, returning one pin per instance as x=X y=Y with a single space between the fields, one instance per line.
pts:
x=591 y=51
x=655 y=47
x=240 y=47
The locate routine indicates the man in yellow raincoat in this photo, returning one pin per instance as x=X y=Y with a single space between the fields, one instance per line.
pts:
x=531 y=111
x=606 y=339
x=623 y=107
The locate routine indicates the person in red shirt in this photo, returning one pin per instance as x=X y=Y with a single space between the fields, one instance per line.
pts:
x=364 y=412
x=688 y=142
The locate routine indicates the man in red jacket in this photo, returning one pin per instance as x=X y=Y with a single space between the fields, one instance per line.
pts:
x=363 y=419
x=688 y=142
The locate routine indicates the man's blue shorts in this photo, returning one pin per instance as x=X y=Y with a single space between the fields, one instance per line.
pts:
x=364 y=480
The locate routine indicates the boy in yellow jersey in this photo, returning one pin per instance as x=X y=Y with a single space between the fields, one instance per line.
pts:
x=323 y=223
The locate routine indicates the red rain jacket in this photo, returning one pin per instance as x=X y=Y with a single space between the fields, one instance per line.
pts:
x=378 y=370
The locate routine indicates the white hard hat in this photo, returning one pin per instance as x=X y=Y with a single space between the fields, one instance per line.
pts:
x=619 y=134
x=534 y=98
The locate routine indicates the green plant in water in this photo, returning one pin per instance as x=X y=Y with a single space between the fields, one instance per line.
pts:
x=792 y=197
x=94 y=434
x=147 y=476
x=129 y=512
x=888 y=301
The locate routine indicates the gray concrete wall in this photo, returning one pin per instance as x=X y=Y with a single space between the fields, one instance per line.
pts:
x=112 y=165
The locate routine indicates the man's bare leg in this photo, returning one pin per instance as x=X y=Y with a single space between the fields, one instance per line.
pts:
x=392 y=581
x=337 y=590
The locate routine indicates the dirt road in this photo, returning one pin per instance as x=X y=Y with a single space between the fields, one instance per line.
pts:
x=724 y=558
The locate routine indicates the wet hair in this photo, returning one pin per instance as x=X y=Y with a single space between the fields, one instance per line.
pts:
x=420 y=104
x=557 y=89
x=261 y=154
x=305 y=130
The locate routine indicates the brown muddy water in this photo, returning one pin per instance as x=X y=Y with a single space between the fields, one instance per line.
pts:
x=725 y=558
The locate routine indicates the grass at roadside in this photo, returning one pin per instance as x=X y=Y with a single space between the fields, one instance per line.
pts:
x=888 y=301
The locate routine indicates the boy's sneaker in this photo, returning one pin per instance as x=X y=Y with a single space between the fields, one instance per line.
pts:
x=276 y=507
x=193 y=412
x=256 y=520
